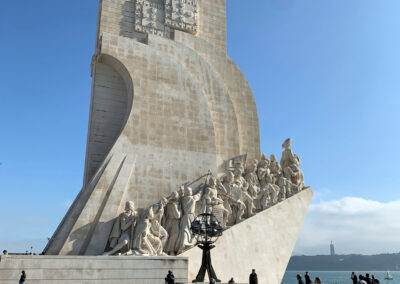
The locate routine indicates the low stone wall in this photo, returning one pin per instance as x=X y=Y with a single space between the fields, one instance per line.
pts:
x=86 y=270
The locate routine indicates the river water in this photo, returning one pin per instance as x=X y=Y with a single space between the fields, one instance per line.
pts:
x=340 y=277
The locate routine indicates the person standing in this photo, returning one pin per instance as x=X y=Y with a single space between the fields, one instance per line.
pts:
x=374 y=280
x=353 y=277
x=299 y=279
x=361 y=280
x=231 y=281
x=170 y=279
x=367 y=279
x=22 y=278
x=253 y=277
x=307 y=278
x=317 y=280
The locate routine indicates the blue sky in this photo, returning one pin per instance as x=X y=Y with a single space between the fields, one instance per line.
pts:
x=325 y=73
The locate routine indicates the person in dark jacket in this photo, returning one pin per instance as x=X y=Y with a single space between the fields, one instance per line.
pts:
x=367 y=279
x=170 y=279
x=354 y=278
x=232 y=281
x=253 y=277
x=299 y=278
x=374 y=280
x=307 y=278
x=22 y=278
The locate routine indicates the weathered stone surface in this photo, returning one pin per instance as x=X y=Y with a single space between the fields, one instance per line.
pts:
x=166 y=108
x=263 y=242
x=232 y=196
x=91 y=270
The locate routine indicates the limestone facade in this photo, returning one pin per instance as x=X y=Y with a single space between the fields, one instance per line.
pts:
x=167 y=106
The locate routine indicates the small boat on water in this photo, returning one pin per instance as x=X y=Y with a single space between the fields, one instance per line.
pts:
x=388 y=276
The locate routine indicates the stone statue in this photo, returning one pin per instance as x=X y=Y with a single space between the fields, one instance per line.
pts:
x=216 y=202
x=290 y=163
x=122 y=232
x=206 y=202
x=252 y=180
x=268 y=195
x=285 y=186
x=264 y=162
x=188 y=203
x=288 y=157
x=246 y=198
x=237 y=205
x=166 y=225
x=296 y=178
x=158 y=214
x=226 y=195
x=173 y=215
x=239 y=179
x=147 y=239
x=263 y=169
x=275 y=168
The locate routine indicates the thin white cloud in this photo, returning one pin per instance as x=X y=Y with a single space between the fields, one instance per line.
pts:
x=356 y=225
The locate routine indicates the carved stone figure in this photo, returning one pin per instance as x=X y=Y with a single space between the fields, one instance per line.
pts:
x=206 y=202
x=275 y=168
x=173 y=215
x=188 y=203
x=252 y=180
x=288 y=157
x=219 y=211
x=296 y=177
x=263 y=170
x=226 y=196
x=263 y=198
x=285 y=186
x=264 y=162
x=211 y=203
x=239 y=179
x=121 y=235
x=236 y=196
x=147 y=238
x=246 y=198
x=237 y=205
x=249 y=202
x=268 y=195
x=156 y=221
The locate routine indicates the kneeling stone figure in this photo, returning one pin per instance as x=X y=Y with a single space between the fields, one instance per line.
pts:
x=121 y=236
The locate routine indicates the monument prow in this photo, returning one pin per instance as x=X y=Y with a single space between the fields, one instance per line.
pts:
x=168 y=105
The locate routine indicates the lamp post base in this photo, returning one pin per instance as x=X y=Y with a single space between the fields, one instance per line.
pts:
x=206 y=265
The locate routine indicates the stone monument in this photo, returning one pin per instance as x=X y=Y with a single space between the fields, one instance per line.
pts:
x=173 y=133
x=167 y=106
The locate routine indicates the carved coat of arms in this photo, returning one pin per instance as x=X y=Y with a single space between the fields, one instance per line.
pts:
x=159 y=17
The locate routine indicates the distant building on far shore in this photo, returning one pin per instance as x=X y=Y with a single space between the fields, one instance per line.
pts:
x=332 y=248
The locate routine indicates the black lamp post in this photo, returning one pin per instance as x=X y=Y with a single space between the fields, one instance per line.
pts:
x=207 y=230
